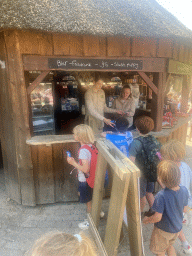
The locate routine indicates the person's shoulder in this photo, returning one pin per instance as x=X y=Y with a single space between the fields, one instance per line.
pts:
x=87 y=93
x=183 y=189
x=84 y=152
x=101 y=91
x=161 y=195
x=89 y=90
x=162 y=192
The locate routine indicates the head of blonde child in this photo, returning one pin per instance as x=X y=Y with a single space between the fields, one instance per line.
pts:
x=84 y=134
x=173 y=150
x=63 y=244
x=169 y=174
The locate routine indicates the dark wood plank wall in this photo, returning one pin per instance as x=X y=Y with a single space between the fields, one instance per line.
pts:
x=19 y=115
x=52 y=178
x=95 y=46
x=7 y=131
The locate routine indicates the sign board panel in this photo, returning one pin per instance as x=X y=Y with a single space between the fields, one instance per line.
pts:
x=93 y=64
x=33 y=62
x=177 y=67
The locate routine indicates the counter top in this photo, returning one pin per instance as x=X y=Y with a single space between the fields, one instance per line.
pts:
x=54 y=139
x=167 y=131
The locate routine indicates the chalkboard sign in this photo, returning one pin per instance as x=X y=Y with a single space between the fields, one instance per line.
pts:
x=94 y=64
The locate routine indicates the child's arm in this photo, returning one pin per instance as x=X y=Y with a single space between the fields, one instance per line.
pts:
x=185 y=208
x=153 y=219
x=84 y=167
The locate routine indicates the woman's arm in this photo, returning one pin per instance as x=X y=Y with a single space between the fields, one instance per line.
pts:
x=110 y=110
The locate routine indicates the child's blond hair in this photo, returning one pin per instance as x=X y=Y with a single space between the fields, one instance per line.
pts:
x=173 y=150
x=84 y=133
x=168 y=173
x=63 y=244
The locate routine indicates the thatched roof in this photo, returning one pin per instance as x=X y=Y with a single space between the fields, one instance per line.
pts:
x=97 y=17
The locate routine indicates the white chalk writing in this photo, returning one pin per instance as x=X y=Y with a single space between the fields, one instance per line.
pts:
x=2 y=63
x=91 y=64
x=74 y=63
x=61 y=63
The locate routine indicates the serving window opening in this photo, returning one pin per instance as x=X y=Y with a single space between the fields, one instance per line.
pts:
x=58 y=104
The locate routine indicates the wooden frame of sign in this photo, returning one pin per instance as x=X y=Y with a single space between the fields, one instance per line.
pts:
x=124 y=192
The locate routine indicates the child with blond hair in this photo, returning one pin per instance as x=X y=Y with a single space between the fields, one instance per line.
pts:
x=169 y=205
x=174 y=150
x=63 y=244
x=86 y=166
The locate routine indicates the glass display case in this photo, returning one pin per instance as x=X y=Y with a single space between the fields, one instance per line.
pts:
x=42 y=109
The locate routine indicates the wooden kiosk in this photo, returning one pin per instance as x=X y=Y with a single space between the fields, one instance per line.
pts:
x=117 y=36
x=164 y=50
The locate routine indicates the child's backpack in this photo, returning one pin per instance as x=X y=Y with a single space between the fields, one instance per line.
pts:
x=149 y=157
x=90 y=178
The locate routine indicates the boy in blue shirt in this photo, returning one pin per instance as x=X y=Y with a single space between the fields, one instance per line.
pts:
x=169 y=205
x=119 y=135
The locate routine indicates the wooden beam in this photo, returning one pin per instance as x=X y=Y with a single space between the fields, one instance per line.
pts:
x=115 y=215
x=37 y=81
x=133 y=215
x=148 y=81
x=104 y=147
x=95 y=233
x=20 y=116
x=159 y=79
x=98 y=188
x=29 y=104
x=185 y=93
x=7 y=130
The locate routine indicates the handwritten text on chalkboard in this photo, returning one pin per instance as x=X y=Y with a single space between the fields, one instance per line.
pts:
x=92 y=64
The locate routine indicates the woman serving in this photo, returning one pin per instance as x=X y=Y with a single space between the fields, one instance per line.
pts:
x=95 y=106
x=126 y=104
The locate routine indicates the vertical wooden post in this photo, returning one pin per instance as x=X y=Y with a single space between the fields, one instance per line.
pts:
x=185 y=94
x=29 y=104
x=7 y=130
x=20 y=115
x=133 y=214
x=115 y=214
x=98 y=188
x=159 y=80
